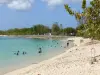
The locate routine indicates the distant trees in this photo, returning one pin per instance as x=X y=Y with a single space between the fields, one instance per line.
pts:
x=37 y=29
x=55 y=29
x=40 y=29
x=59 y=30
x=2 y=32
x=22 y=31
x=69 y=31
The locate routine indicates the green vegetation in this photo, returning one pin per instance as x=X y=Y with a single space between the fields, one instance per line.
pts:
x=69 y=31
x=16 y=31
x=55 y=29
x=40 y=29
x=89 y=19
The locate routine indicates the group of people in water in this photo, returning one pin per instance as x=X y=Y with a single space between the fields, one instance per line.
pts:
x=39 y=50
x=18 y=52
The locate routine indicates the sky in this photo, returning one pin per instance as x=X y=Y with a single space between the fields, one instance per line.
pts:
x=26 y=13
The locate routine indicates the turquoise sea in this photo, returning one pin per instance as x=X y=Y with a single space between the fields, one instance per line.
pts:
x=9 y=46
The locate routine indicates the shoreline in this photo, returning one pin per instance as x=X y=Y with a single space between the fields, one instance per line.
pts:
x=39 y=36
x=48 y=57
x=65 y=63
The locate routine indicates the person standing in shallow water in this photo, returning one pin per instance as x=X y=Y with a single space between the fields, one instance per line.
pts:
x=23 y=53
x=17 y=53
x=40 y=50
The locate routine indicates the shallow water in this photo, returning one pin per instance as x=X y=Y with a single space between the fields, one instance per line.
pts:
x=10 y=46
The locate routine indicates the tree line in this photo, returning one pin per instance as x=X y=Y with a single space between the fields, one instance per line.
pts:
x=39 y=29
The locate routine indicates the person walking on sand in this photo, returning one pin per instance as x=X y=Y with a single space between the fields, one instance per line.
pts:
x=67 y=43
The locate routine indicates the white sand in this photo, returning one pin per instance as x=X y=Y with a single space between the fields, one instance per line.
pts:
x=75 y=61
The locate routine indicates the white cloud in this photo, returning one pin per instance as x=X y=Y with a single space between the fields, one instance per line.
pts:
x=26 y=4
x=20 y=4
x=5 y=1
x=76 y=1
x=59 y=2
x=53 y=2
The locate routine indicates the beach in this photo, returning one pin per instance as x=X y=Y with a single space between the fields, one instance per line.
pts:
x=49 y=37
x=75 y=61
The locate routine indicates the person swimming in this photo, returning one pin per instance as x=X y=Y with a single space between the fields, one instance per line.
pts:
x=17 y=53
x=24 y=53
